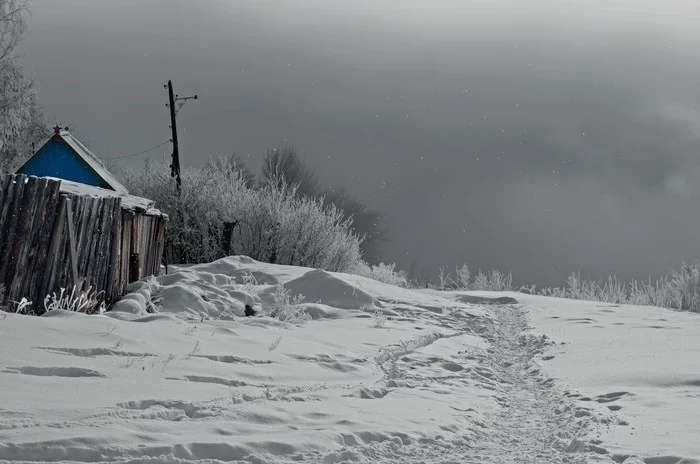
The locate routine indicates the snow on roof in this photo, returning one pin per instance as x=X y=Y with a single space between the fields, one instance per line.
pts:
x=129 y=202
x=94 y=162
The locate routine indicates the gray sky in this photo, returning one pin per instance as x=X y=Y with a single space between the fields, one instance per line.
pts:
x=544 y=138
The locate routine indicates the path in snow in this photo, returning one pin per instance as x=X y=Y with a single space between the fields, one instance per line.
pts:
x=537 y=423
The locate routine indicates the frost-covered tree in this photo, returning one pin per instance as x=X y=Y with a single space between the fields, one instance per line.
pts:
x=21 y=122
x=366 y=222
x=272 y=223
x=283 y=165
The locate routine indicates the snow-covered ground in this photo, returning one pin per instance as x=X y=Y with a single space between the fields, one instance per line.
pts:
x=446 y=378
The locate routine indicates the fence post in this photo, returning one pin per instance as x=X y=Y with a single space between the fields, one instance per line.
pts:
x=228 y=233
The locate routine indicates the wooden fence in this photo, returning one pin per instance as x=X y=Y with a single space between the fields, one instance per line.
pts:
x=51 y=240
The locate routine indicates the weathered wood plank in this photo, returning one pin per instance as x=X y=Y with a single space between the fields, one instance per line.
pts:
x=87 y=238
x=133 y=267
x=5 y=183
x=107 y=245
x=99 y=269
x=111 y=285
x=13 y=272
x=124 y=251
x=41 y=261
x=106 y=282
x=35 y=194
x=89 y=210
x=72 y=245
x=54 y=247
x=9 y=234
x=31 y=253
x=6 y=206
x=95 y=257
x=163 y=223
x=135 y=247
x=94 y=244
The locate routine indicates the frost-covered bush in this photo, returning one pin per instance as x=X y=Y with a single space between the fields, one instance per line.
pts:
x=494 y=280
x=385 y=273
x=286 y=307
x=270 y=223
x=379 y=319
x=207 y=197
x=463 y=276
x=88 y=301
x=678 y=290
x=284 y=228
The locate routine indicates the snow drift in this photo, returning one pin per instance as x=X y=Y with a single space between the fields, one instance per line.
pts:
x=447 y=377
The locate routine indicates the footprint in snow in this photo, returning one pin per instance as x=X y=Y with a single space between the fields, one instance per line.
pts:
x=54 y=371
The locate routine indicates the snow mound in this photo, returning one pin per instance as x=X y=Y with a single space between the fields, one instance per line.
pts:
x=323 y=287
x=62 y=313
x=481 y=300
x=192 y=292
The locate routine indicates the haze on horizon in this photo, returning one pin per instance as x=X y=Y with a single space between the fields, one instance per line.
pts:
x=540 y=139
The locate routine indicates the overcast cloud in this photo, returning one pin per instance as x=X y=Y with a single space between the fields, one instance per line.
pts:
x=540 y=137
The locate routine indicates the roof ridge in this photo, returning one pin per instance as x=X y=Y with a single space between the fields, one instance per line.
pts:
x=93 y=161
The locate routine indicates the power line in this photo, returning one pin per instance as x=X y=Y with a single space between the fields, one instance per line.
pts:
x=139 y=153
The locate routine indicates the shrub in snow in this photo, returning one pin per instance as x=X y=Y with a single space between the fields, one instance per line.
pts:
x=87 y=302
x=494 y=281
x=286 y=307
x=271 y=223
x=379 y=319
x=22 y=306
x=385 y=273
x=463 y=276
x=249 y=283
x=678 y=290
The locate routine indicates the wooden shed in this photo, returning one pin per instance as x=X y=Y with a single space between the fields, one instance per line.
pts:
x=65 y=221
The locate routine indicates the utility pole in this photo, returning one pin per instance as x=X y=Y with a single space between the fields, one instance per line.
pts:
x=172 y=98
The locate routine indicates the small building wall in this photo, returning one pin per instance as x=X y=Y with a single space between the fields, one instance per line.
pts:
x=51 y=240
x=56 y=159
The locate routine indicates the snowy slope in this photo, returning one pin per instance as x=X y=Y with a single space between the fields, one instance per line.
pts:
x=441 y=381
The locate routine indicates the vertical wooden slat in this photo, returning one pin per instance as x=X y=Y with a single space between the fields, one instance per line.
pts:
x=41 y=259
x=4 y=191
x=6 y=207
x=114 y=211
x=162 y=233
x=111 y=284
x=133 y=267
x=54 y=247
x=10 y=224
x=105 y=281
x=88 y=234
x=3 y=179
x=127 y=219
x=26 y=253
x=72 y=245
x=87 y=237
x=94 y=243
x=22 y=236
x=135 y=248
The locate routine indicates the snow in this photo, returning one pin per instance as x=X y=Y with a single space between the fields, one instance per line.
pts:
x=646 y=358
x=128 y=202
x=447 y=379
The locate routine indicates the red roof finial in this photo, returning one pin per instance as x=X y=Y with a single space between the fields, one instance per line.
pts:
x=57 y=129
